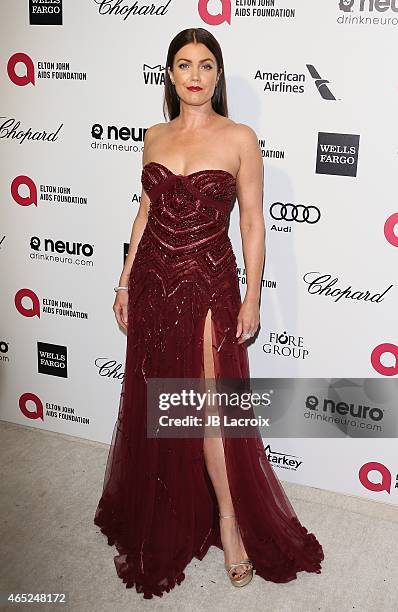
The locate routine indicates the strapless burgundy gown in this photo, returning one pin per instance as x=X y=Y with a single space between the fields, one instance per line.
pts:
x=158 y=505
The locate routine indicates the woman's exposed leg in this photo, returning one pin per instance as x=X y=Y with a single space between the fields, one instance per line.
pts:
x=231 y=540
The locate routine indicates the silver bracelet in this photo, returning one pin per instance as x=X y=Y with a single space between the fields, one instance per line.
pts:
x=118 y=288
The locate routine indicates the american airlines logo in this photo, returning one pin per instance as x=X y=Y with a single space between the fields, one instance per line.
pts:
x=153 y=75
x=321 y=84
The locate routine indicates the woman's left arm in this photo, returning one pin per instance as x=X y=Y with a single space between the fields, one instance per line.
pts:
x=252 y=226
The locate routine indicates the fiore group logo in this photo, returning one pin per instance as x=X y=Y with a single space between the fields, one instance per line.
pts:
x=368 y=12
x=285 y=345
x=22 y=63
x=222 y=13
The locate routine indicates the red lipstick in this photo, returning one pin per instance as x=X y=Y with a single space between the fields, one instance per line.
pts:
x=194 y=88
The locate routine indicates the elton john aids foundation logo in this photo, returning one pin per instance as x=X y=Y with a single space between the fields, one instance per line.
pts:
x=391 y=229
x=383 y=479
x=29 y=72
x=33 y=410
x=29 y=185
x=380 y=353
x=215 y=19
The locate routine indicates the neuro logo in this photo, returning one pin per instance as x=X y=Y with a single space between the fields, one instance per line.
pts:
x=112 y=132
x=61 y=246
x=376 y=357
x=29 y=72
x=3 y=347
x=37 y=412
x=31 y=198
x=321 y=84
x=384 y=482
x=389 y=227
x=346 y=5
x=215 y=18
x=33 y=310
x=96 y=131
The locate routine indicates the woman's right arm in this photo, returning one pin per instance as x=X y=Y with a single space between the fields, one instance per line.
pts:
x=138 y=227
x=121 y=300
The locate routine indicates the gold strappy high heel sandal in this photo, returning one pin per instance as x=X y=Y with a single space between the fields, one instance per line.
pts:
x=239 y=582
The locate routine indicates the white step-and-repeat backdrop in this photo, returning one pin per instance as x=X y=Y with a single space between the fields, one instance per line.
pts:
x=81 y=82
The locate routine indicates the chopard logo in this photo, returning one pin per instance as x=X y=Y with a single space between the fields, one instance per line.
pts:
x=136 y=8
x=295 y=212
x=319 y=284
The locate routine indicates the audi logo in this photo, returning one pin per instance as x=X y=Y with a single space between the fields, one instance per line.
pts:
x=293 y=212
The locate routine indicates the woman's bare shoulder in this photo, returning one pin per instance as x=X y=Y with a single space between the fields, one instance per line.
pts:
x=243 y=133
x=154 y=130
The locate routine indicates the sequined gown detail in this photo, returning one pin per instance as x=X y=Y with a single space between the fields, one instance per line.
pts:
x=158 y=506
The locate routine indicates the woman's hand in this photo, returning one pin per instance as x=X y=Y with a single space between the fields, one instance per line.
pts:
x=120 y=307
x=248 y=319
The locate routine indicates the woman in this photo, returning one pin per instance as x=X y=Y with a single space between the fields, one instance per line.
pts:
x=166 y=501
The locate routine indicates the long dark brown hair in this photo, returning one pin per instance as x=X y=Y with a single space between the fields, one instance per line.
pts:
x=171 y=103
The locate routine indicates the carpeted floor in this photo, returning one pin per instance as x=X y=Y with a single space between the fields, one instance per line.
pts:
x=50 y=486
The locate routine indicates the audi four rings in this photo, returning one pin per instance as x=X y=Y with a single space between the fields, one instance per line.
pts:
x=295 y=212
